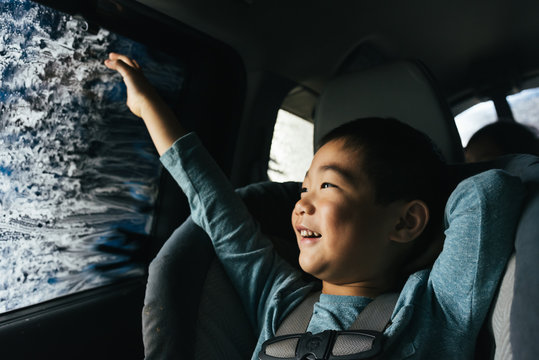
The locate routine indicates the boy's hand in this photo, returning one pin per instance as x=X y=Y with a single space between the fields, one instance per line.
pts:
x=140 y=93
x=144 y=102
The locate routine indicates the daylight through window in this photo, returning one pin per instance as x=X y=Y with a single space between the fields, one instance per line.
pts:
x=474 y=118
x=291 y=148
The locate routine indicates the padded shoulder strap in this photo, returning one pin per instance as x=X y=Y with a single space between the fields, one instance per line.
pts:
x=375 y=316
x=377 y=313
x=298 y=320
x=362 y=341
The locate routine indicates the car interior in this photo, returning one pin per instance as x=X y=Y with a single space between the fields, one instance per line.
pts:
x=244 y=61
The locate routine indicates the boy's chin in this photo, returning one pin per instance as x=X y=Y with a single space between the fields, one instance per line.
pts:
x=310 y=267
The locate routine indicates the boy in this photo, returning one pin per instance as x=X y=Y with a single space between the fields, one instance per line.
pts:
x=362 y=227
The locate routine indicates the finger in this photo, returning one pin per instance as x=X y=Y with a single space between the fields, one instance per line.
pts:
x=137 y=66
x=125 y=59
x=119 y=66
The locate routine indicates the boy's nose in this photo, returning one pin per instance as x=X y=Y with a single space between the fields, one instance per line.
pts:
x=304 y=206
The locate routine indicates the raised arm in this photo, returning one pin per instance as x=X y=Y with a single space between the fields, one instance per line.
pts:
x=145 y=102
x=246 y=253
x=482 y=214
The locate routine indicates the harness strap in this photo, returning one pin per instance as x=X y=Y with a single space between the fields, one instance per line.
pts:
x=298 y=320
x=377 y=314
x=362 y=341
x=375 y=317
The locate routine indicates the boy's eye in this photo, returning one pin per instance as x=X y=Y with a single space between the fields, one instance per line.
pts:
x=303 y=190
x=326 y=185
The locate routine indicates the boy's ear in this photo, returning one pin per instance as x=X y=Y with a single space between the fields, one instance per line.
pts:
x=413 y=220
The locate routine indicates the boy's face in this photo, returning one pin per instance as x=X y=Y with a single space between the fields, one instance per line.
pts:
x=342 y=233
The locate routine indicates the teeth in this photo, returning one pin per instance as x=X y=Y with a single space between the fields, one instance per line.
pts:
x=309 y=233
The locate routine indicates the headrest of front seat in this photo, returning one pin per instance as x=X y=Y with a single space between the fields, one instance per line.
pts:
x=402 y=90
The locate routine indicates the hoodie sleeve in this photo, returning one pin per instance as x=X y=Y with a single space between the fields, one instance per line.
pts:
x=247 y=255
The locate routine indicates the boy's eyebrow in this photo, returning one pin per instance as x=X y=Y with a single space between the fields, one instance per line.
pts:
x=346 y=174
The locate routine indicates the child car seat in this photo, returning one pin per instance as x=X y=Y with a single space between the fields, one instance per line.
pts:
x=404 y=90
x=191 y=310
x=513 y=322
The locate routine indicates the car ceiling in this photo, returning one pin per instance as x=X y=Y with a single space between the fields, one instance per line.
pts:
x=469 y=46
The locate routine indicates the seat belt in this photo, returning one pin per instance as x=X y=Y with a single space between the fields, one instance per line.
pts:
x=362 y=341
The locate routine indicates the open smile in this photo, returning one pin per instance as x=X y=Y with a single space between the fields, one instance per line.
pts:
x=308 y=236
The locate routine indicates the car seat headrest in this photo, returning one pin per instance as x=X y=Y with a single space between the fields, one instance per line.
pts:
x=402 y=90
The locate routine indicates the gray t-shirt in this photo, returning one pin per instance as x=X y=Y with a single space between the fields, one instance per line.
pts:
x=439 y=311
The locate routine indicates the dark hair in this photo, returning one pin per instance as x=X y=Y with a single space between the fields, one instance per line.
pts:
x=508 y=138
x=401 y=163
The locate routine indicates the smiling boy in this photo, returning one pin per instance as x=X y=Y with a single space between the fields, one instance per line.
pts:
x=370 y=214
x=346 y=238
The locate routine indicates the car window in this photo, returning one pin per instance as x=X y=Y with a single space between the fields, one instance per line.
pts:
x=291 y=148
x=525 y=107
x=474 y=118
x=78 y=173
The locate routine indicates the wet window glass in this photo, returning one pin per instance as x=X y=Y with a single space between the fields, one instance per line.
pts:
x=291 y=148
x=78 y=173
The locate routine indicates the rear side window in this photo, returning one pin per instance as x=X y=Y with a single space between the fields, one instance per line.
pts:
x=474 y=118
x=78 y=172
x=525 y=107
x=291 y=148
